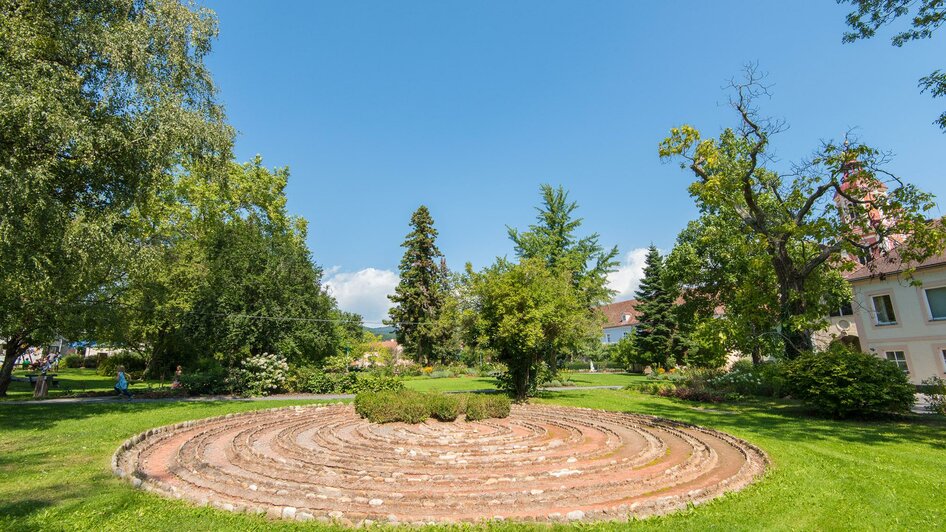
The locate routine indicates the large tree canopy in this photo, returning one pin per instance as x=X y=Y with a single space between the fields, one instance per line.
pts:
x=554 y=240
x=528 y=313
x=100 y=101
x=793 y=214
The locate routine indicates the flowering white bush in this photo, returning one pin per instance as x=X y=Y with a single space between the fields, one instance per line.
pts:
x=264 y=374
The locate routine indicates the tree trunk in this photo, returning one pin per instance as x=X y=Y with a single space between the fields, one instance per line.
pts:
x=13 y=350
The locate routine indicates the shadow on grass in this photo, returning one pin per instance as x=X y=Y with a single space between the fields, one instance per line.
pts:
x=38 y=416
x=784 y=420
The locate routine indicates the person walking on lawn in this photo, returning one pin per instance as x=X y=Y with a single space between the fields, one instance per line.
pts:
x=122 y=385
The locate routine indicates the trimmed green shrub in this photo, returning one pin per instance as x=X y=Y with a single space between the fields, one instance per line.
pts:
x=445 y=407
x=72 y=361
x=314 y=380
x=133 y=362
x=413 y=407
x=843 y=383
x=93 y=362
x=388 y=406
x=213 y=381
x=486 y=406
x=376 y=383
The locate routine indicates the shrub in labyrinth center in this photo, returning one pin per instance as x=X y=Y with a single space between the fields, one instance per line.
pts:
x=414 y=407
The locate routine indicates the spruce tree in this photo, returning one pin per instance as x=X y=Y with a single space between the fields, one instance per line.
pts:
x=653 y=339
x=419 y=296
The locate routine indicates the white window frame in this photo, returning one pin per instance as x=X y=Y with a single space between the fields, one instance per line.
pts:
x=895 y=360
x=873 y=302
x=926 y=299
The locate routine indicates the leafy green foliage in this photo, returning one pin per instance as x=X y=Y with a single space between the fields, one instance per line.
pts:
x=72 y=361
x=101 y=102
x=843 y=383
x=528 y=313
x=554 y=240
x=133 y=362
x=870 y=15
x=414 y=407
x=263 y=374
x=791 y=220
x=419 y=296
x=212 y=381
x=446 y=407
x=480 y=407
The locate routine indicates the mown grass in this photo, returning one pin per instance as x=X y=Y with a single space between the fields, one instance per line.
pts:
x=72 y=381
x=468 y=384
x=825 y=475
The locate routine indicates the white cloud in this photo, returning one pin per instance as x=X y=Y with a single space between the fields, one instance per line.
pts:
x=628 y=275
x=365 y=292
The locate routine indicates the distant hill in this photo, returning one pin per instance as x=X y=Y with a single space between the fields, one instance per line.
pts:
x=386 y=333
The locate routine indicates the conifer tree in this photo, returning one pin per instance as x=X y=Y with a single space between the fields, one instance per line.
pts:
x=419 y=296
x=653 y=340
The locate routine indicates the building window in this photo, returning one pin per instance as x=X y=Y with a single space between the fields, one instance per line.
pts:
x=936 y=299
x=607 y=338
x=899 y=358
x=844 y=310
x=883 y=308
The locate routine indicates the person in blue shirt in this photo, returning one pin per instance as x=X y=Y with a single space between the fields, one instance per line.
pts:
x=122 y=385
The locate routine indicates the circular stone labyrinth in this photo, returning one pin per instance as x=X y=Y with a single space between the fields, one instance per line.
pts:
x=542 y=463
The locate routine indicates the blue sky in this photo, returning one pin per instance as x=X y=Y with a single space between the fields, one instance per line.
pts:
x=466 y=107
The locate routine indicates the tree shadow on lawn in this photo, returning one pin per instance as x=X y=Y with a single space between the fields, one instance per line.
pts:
x=778 y=419
x=40 y=416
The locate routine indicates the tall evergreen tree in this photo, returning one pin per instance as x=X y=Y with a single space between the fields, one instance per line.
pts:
x=419 y=296
x=653 y=340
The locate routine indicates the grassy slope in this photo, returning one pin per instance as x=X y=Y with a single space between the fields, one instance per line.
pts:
x=70 y=381
x=826 y=474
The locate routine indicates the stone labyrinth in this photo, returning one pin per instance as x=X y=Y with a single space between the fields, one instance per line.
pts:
x=542 y=463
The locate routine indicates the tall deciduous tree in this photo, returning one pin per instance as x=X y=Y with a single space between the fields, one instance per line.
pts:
x=653 y=339
x=222 y=268
x=555 y=241
x=419 y=295
x=528 y=313
x=793 y=214
x=100 y=100
x=925 y=17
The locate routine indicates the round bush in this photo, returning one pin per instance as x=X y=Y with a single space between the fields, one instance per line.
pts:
x=133 y=362
x=72 y=361
x=843 y=383
x=445 y=407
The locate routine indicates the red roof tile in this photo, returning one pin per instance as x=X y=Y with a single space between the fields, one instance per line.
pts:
x=616 y=311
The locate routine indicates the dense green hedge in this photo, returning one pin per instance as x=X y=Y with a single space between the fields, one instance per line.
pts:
x=315 y=380
x=133 y=362
x=843 y=383
x=413 y=407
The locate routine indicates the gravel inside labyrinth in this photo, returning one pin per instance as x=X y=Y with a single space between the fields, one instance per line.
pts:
x=542 y=463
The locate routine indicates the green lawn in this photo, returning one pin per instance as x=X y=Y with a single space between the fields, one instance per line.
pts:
x=450 y=384
x=54 y=462
x=466 y=384
x=71 y=381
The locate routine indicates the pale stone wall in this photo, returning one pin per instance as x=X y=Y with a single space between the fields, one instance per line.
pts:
x=921 y=338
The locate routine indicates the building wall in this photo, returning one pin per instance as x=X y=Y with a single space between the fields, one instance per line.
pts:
x=921 y=338
x=612 y=335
